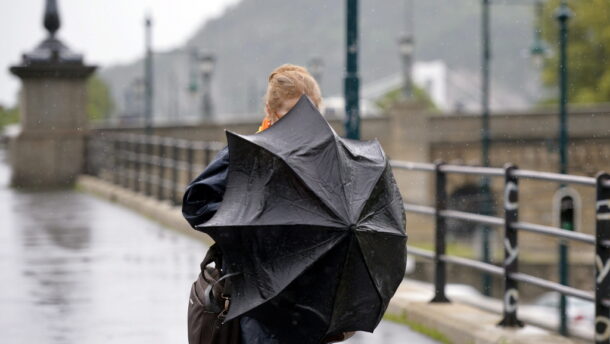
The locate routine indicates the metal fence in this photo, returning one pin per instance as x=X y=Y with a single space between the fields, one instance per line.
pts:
x=509 y=270
x=161 y=167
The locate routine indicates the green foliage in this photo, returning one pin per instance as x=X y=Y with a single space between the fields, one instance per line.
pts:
x=8 y=116
x=419 y=96
x=99 y=101
x=588 y=50
x=417 y=327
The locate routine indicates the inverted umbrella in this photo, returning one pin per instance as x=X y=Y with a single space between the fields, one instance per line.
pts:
x=314 y=225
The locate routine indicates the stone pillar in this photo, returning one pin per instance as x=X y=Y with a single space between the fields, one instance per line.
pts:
x=49 y=150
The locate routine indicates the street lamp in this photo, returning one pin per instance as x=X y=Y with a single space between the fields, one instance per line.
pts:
x=206 y=64
x=138 y=104
x=316 y=64
x=538 y=50
x=148 y=76
x=352 y=81
x=406 y=47
x=563 y=15
x=485 y=137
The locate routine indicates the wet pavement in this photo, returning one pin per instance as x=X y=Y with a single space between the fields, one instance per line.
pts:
x=76 y=269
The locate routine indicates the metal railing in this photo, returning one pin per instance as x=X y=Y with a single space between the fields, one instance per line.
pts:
x=159 y=167
x=509 y=269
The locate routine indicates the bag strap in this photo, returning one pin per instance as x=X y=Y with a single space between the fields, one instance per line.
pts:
x=213 y=255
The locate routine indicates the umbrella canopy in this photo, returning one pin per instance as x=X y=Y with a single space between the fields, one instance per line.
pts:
x=315 y=225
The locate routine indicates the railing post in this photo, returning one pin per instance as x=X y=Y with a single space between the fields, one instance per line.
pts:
x=511 y=248
x=602 y=260
x=161 y=159
x=175 y=166
x=124 y=138
x=116 y=159
x=207 y=153
x=137 y=143
x=130 y=163
x=189 y=160
x=148 y=141
x=87 y=143
x=440 y=270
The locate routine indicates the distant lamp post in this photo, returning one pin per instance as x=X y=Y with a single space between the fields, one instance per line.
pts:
x=538 y=50
x=316 y=65
x=206 y=64
x=149 y=78
x=135 y=99
x=193 y=86
x=406 y=47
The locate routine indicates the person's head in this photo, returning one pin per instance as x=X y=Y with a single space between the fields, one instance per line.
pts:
x=287 y=84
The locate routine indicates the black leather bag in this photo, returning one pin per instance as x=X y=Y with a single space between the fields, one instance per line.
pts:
x=209 y=303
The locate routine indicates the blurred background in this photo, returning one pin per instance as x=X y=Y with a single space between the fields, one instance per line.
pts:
x=475 y=82
x=247 y=39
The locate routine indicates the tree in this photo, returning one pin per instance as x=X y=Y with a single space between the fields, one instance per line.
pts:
x=99 y=102
x=588 y=50
x=8 y=116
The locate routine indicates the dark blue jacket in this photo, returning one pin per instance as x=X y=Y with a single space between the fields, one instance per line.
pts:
x=204 y=195
x=200 y=202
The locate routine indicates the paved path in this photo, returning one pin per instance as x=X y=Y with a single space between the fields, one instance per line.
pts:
x=75 y=269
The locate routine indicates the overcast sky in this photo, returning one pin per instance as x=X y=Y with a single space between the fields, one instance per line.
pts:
x=105 y=31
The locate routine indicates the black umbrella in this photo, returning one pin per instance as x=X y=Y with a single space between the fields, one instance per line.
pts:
x=314 y=224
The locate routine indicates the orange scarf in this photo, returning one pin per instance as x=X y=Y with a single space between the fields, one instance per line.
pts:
x=264 y=125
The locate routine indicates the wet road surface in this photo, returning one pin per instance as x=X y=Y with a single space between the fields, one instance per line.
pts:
x=76 y=269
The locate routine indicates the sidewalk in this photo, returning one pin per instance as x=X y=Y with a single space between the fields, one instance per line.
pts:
x=452 y=323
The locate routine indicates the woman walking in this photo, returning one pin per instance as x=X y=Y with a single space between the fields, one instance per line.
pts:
x=311 y=229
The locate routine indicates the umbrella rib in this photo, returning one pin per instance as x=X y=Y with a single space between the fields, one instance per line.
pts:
x=330 y=323
x=359 y=212
x=368 y=271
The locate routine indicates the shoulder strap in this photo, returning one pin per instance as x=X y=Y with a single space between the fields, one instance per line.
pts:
x=213 y=255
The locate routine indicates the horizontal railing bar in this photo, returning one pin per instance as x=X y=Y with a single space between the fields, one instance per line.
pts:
x=554 y=231
x=475 y=264
x=413 y=166
x=420 y=252
x=478 y=170
x=555 y=177
x=153 y=179
x=155 y=160
x=419 y=209
x=161 y=140
x=563 y=289
x=462 y=215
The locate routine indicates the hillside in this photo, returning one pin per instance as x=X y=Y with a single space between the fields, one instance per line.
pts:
x=254 y=36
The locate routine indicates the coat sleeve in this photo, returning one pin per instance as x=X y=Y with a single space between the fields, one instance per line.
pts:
x=204 y=194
